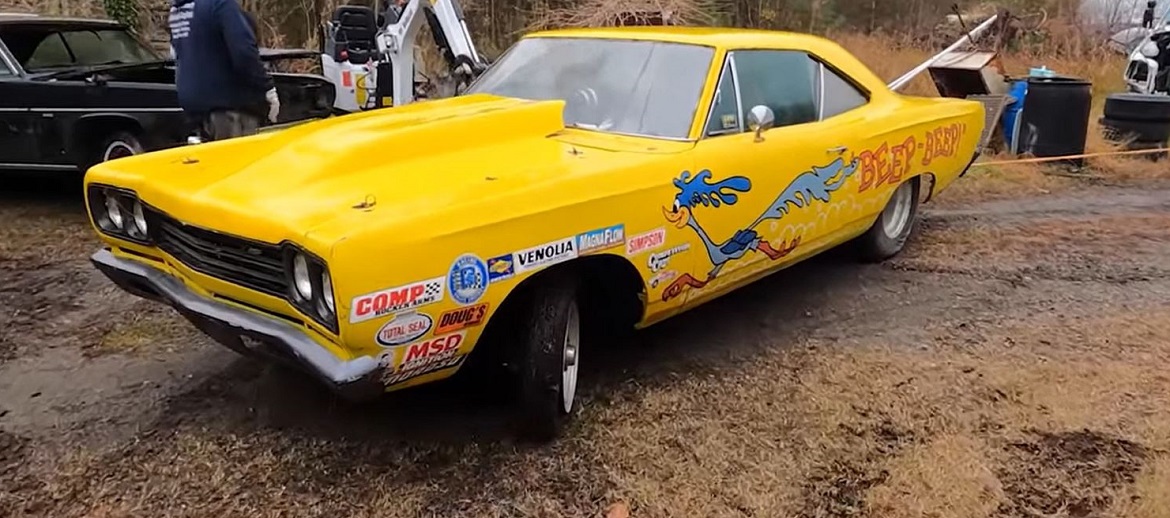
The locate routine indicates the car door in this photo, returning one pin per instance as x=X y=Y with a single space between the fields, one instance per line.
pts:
x=16 y=132
x=759 y=202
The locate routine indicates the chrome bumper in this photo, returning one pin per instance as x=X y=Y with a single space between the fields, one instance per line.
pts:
x=247 y=333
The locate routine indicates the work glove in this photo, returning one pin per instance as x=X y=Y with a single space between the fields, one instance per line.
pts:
x=273 y=104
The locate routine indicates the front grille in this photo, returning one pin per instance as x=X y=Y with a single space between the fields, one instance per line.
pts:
x=259 y=266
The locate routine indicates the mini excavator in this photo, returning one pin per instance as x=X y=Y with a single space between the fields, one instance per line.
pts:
x=368 y=53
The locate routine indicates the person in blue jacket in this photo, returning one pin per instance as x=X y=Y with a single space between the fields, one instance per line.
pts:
x=222 y=84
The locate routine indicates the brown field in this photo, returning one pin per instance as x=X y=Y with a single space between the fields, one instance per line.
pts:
x=1014 y=361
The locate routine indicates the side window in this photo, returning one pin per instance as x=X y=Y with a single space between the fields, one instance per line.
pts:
x=782 y=80
x=839 y=95
x=51 y=52
x=724 y=117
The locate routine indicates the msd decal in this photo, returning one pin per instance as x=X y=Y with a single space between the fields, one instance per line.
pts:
x=547 y=254
x=461 y=318
x=648 y=241
x=601 y=239
x=426 y=357
x=393 y=300
x=404 y=328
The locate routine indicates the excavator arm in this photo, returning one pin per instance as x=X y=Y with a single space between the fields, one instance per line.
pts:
x=398 y=39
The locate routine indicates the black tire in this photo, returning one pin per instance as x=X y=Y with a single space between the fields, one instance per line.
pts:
x=877 y=244
x=553 y=309
x=1139 y=131
x=1138 y=107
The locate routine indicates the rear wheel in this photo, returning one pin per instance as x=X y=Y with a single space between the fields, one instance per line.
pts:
x=549 y=343
x=893 y=227
x=117 y=145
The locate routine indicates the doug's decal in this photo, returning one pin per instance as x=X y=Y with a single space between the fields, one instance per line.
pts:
x=817 y=184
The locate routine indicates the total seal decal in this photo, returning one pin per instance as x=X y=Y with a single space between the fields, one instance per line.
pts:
x=548 y=254
x=393 y=300
x=658 y=261
x=601 y=239
x=647 y=241
x=404 y=328
x=427 y=356
x=467 y=279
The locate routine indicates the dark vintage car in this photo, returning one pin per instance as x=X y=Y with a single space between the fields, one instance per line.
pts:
x=75 y=92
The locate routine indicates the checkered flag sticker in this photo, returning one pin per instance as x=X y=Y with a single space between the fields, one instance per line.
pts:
x=433 y=288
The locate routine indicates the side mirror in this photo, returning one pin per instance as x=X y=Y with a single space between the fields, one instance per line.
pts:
x=1150 y=49
x=760 y=118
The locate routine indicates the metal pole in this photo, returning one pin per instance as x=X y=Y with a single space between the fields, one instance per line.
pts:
x=898 y=83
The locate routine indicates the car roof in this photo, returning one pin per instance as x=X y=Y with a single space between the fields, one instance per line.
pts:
x=35 y=19
x=727 y=37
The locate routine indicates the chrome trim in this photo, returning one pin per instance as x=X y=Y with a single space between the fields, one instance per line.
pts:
x=725 y=67
x=47 y=167
x=738 y=93
x=821 y=90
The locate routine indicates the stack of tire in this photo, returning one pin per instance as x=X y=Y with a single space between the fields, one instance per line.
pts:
x=1142 y=121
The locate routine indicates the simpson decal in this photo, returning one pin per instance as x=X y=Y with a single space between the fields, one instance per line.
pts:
x=461 y=318
x=393 y=300
x=404 y=328
x=601 y=239
x=467 y=279
x=648 y=241
x=547 y=254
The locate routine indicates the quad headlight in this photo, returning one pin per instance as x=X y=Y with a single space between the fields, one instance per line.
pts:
x=310 y=286
x=119 y=213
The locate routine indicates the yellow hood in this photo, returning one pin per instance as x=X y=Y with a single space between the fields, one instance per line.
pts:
x=281 y=185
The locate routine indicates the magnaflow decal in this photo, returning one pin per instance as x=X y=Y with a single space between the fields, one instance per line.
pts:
x=601 y=239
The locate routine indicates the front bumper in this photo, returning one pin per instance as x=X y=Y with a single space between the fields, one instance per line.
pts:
x=357 y=379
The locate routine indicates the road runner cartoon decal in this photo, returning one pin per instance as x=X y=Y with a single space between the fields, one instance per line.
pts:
x=817 y=184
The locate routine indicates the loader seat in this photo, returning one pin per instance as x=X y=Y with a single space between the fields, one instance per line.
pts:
x=357 y=30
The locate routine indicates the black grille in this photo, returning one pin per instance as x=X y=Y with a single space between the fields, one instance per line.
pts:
x=254 y=265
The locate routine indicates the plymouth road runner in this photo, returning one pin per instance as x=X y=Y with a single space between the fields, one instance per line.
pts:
x=590 y=180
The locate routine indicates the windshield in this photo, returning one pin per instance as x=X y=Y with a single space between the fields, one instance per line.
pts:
x=42 y=48
x=645 y=88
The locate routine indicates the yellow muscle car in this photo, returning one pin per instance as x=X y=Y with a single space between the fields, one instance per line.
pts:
x=615 y=177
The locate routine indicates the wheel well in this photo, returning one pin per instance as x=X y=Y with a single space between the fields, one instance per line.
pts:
x=925 y=188
x=611 y=297
x=88 y=134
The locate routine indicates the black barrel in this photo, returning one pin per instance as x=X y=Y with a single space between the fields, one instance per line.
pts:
x=1055 y=117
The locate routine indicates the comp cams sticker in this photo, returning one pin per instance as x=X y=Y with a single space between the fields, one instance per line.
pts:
x=394 y=300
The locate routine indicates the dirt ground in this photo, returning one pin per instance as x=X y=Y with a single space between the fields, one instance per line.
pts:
x=1014 y=361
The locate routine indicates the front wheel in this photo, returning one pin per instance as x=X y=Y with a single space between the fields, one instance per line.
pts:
x=893 y=227
x=550 y=348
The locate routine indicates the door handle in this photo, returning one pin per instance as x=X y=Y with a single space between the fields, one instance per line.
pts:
x=839 y=150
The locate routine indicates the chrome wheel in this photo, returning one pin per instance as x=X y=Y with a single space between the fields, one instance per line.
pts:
x=896 y=215
x=570 y=358
x=117 y=149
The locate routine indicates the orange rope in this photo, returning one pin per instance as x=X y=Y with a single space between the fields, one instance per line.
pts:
x=1069 y=157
